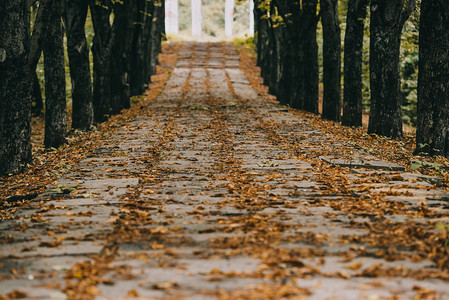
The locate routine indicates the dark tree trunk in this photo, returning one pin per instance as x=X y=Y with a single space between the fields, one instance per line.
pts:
x=331 y=60
x=432 y=133
x=36 y=96
x=293 y=71
x=274 y=56
x=257 y=40
x=310 y=54
x=120 y=56
x=387 y=19
x=34 y=56
x=161 y=24
x=258 y=30
x=285 y=80
x=147 y=42
x=352 y=98
x=54 y=66
x=265 y=50
x=137 y=52
x=15 y=100
x=262 y=32
x=156 y=35
x=298 y=89
x=78 y=52
x=101 y=50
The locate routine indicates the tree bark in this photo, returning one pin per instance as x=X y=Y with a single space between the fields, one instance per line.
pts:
x=120 y=56
x=258 y=31
x=310 y=56
x=274 y=55
x=54 y=66
x=331 y=60
x=156 y=34
x=387 y=20
x=292 y=68
x=432 y=133
x=353 y=60
x=78 y=52
x=296 y=78
x=15 y=100
x=36 y=96
x=264 y=27
x=101 y=50
x=34 y=56
x=148 y=42
x=137 y=52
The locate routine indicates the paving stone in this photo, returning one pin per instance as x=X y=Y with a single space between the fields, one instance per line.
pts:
x=190 y=199
x=367 y=162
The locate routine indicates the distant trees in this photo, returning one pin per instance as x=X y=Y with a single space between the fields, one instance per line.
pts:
x=287 y=54
x=124 y=57
x=286 y=48
x=288 y=51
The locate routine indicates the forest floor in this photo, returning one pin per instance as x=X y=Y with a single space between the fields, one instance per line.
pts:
x=208 y=188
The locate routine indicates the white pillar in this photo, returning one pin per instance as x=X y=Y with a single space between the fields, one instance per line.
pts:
x=171 y=16
x=197 y=18
x=229 y=16
x=251 y=18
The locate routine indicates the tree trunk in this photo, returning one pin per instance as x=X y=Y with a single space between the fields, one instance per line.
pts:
x=352 y=98
x=287 y=54
x=310 y=52
x=101 y=50
x=331 y=60
x=273 y=72
x=387 y=19
x=137 y=52
x=36 y=96
x=34 y=56
x=15 y=100
x=54 y=66
x=148 y=42
x=78 y=52
x=264 y=27
x=432 y=133
x=258 y=31
x=297 y=53
x=120 y=57
x=156 y=36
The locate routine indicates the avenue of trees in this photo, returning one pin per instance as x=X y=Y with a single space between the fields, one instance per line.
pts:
x=125 y=47
x=288 y=54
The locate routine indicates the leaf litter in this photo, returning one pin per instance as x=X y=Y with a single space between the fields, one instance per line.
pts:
x=368 y=221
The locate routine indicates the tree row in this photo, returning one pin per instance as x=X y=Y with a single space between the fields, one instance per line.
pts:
x=125 y=46
x=286 y=42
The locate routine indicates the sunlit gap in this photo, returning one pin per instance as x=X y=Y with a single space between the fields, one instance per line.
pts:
x=209 y=19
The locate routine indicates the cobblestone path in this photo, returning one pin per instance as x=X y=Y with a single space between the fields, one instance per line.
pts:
x=218 y=193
